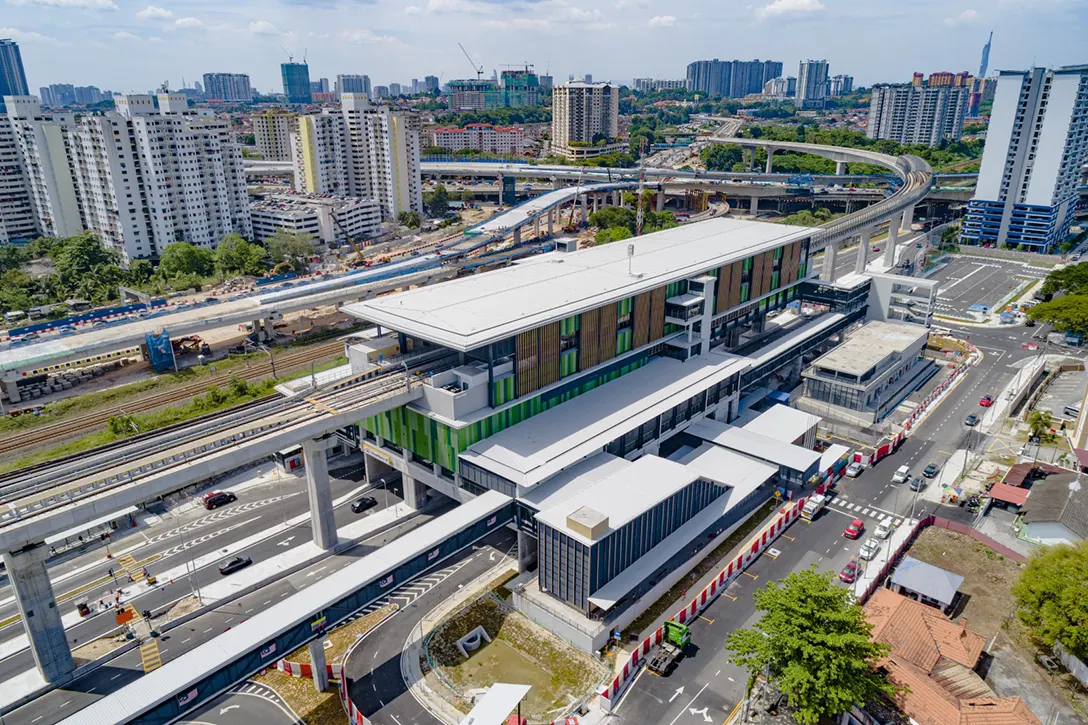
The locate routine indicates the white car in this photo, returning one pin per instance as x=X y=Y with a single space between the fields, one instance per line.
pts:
x=902 y=474
x=884 y=530
x=854 y=470
x=869 y=550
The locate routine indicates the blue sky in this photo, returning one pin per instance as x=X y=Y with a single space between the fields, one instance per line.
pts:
x=134 y=46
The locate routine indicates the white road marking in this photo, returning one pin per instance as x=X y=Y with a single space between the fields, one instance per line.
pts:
x=685 y=709
x=209 y=629
x=185 y=640
x=114 y=677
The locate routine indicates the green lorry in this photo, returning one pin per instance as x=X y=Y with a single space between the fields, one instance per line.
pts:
x=673 y=641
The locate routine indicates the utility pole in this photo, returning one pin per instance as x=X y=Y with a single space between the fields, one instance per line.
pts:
x=641 y=184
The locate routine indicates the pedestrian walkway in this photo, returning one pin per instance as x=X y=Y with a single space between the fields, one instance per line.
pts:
x=858 y=509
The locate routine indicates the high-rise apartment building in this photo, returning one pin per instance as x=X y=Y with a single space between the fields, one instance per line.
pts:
x=812 y=84
x=546 y=83
x=733 y=79
x=141 y=177
x=474 y=95
x=395 y=90
x=381 y=91
x=644 y=85
x=520 y=88
x=17 y=220
x=985 y=64
x=1036 y=148
x=352 y=84
x=362 y=150
x=319 y=86
x=430 y=84
x=296 y=82
x=12 y=75
x=65 y=94
x=912 y=114
x=227 y=87
x=480 y=136
x=272 y=134
x=584 y=114
x=840 y=85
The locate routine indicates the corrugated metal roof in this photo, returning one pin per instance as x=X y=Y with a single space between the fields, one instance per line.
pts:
x=932 y=581
x=756 y=445
x=183 y=673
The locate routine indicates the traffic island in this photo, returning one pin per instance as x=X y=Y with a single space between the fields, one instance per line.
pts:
x=514 y=650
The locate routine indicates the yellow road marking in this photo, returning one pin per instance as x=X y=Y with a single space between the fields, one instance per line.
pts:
x=773 y=556
x=730 y=596
x=705 y=619
x=947 y=453
x=647 y=669
x=787 y=536
x=150 y=656
x=733 y=713
x=751 y=575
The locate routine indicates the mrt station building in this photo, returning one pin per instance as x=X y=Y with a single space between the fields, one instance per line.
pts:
x=565 y=382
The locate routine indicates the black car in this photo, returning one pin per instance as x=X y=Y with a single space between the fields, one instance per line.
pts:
x=930 y=471
x=365 y=503
x=971 y=420
x=218 y=498
x=917 y=484
x=232 y=565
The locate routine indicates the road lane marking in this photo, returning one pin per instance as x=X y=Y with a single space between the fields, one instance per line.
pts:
x=248 y=611
x=185 y=640
x=705 y=619
x=751 y=575
x=685 y=709
x=114 y=677
x=209 y=629
x=730 y=596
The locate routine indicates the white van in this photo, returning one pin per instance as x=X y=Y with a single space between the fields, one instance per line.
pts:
x=902 y=474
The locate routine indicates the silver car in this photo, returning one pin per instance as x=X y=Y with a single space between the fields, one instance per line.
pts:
x=869 y=550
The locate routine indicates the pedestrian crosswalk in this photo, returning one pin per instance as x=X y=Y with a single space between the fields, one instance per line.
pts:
x=410 y=592
x=858 y=509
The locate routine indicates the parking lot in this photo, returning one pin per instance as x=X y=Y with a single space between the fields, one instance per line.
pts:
x=968 y=282
x=1066 y=390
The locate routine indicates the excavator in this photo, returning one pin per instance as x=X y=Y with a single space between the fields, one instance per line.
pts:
x=360 y=259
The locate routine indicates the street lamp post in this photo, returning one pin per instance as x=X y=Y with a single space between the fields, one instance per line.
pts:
x=271 y=359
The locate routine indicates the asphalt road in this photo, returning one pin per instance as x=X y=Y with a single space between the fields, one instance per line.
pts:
x=704 y=686
x=246 y=703
x=377 y=687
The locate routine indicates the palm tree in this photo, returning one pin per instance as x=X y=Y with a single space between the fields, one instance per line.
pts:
x=1040 y=422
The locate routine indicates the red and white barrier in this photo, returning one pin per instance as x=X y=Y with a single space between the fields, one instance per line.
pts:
x=787 y=515
x=306 y=670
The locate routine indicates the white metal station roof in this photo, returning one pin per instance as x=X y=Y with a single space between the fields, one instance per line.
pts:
x=470 y=312
x=783 y=423
x=181 y=674
x=497 y=705
x=623 y=495
x=733 y=469
x=755 y=445
x=869 y=345
x=540 y=447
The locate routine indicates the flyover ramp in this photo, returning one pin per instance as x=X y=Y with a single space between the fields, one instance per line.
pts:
x=181 y=685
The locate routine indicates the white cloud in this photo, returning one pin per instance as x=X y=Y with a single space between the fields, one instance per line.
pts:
x=412 y=10
x=366 y=37
x=152 y=12
x=629 y=4
x=518 y=24
x=189 y=23
x=967 y=16
x=26 y=36
x=662 y=21
x=125 y=35
x=790 y=7
x=70 y=4
x=263 y=27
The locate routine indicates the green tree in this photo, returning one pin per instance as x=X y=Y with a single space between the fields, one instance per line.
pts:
x=410 y=219
x=468 y=196
x=438 y=202
x=813 y=642
x=1072 y=280
x=1052 y=596
x=235 y=255
x=78 y=256
x=295 y=248
x=613 y=216
x=1040 y=422
x=140 y=271
x=1066 y=314
x=182 y=258
x=613 y=234
x=721 y=157
x=12 y=257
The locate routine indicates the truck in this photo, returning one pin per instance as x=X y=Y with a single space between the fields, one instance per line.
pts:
x=673 y=641
x=815 y=503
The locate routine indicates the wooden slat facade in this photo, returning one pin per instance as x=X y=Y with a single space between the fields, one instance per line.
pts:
x=721 y=289
x=768 y=271
x=757 y=277
x=735 y=272
x=549 y=354
x=587 y=344
x=528 y=362
x=606 y=349
x=657 y=314
x=641 y=326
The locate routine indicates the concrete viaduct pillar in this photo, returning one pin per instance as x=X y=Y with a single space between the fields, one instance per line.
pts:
x=585 y=216
x=893 y=236
x=660 y=200
x=517 y=235
x=617 y=197
x=908 y=218
x=317 y=663
x=863 y=250
x=536 y=227
x=38 y=607
x=755 y=205
x=831 y=256
x=770 y=161
x=840 y=168
x=317 y=486
x=551 y=222
x=415 y=493
x=557 y=183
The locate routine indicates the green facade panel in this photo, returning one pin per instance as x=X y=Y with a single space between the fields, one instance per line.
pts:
x=568 y=362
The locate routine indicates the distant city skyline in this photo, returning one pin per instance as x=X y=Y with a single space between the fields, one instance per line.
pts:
x=93 y=42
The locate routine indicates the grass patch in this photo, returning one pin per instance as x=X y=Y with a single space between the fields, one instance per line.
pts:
x=321 y=708
x=520 y=651
x=709 y=563
x=987 y=576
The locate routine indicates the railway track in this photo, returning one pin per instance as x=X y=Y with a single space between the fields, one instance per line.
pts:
x=87 y=422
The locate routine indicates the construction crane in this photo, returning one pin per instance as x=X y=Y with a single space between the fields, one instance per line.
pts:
x=290 y=58
x=479 y=69
x=577 y=193
x=360 y=259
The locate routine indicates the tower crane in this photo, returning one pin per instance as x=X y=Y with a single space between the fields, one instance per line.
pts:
x=479 y=69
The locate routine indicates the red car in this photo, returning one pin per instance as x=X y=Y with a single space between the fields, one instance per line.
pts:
x=876 y=249
x=849 y=572
x=1030 y=346
x=854 y=530
x=986 y=401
